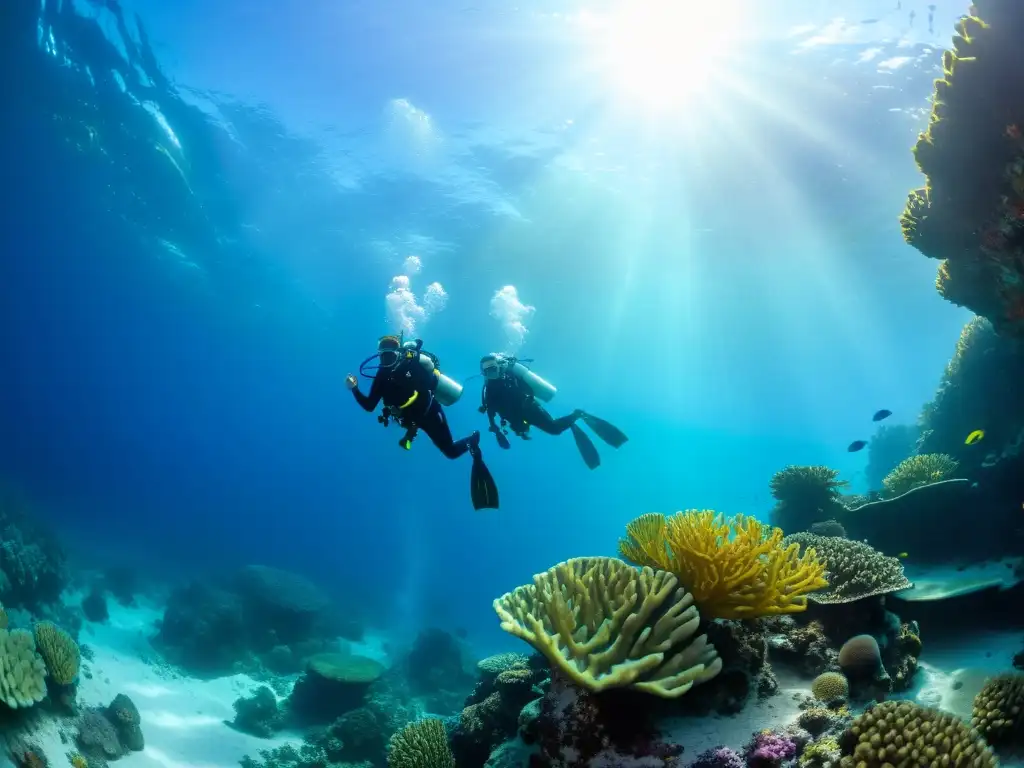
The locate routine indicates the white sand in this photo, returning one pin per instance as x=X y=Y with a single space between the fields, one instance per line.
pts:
x=182 y=718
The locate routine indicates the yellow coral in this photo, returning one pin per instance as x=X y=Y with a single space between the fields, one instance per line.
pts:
x=736 y=568
x=77 y=761
x=422 y=744
x=917 y=471
x=604 y=624
x=60 y=652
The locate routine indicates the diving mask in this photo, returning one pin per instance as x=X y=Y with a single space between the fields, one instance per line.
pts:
x=493 y=366
x=388 y=351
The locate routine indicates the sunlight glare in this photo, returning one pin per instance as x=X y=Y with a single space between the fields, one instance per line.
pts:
x=659 y=54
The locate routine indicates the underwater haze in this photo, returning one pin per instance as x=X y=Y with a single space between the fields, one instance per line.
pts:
x=688 y=222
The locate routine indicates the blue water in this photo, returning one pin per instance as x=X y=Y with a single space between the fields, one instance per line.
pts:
x=182 y=298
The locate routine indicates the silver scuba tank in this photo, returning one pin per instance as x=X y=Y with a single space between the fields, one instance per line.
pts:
x=542 y=389
x=448 y=389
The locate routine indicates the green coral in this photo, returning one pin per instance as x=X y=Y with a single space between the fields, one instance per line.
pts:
x=823 y=753
x=22 y=670
x=60 y=652
x=805 y=495
x=830 y=687
x=999 y=710
x=423 y=744
x=917 y=471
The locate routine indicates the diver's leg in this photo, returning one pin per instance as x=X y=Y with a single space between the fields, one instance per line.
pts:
x=435 y=424
x=537 y=416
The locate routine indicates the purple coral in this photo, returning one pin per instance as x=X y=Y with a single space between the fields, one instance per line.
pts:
x=768 y=749
x=720 y=757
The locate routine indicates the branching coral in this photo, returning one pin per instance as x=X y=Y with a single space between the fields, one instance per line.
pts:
x=854 y=570
x=604 y=624
x=805 y=495
x=422 y=744
x=736 y=568
x=917 y=471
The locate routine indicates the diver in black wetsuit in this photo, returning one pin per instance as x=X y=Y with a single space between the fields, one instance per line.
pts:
x=412 y=388
x=511 y=392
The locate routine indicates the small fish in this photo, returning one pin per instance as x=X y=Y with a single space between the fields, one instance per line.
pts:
x=903 y=555
x=882 y=414
x=974 y=437
x=857 y=445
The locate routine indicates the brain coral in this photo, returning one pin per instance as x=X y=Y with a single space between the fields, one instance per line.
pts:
x=860 y=654
x=22 y=670
x=830 y=686
x=854 y=570
x=999 y=710
x=899 y=734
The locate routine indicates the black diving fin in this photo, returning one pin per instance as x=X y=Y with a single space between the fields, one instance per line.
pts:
x=586 y=447
x=607 y=432
x=482 y=488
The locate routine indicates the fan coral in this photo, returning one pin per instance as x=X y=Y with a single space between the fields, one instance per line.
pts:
x=806 y=495
x=605 y=624
x=830 y=687
x=22 y=670
x=60 y=652
x=917 y=471
x=999 y=710
x=736 y=569
x=902 y=734
x=423 y=744
x=854 y=570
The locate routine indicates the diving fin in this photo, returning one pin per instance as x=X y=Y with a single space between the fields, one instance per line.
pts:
x=482 y=487
x=586 y=447
x=607 y=432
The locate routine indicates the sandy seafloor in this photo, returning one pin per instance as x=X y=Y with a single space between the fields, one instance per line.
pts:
x=183 y=719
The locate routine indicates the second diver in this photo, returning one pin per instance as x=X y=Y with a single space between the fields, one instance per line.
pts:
x=512 y=391
x=414 y=392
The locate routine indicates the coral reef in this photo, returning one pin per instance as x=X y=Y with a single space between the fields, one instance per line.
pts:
x=829 y=528
x=123 y=713
x=436 y=671
x=917 y=471
x=890 y=445
x=736 y=568
x=286 y=604
x=422 y=744
x=22 y=669
x=605 y=624
x=854 y=570
x=33 y=567
x=768 y=749
x=967 y=213
x=804 y=647
x=108 y=733
x=999 y=711
x=259 y=714
x=805 y=495
x=333 y=684
x=719 y=757
x=576 y=728
x=902 y=734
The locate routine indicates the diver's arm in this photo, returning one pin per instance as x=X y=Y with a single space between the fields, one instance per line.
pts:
x=371 y=401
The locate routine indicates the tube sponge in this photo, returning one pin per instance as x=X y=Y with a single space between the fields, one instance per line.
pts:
x=22 y=671
x=60 y=652
x=604 y=624
x=736 y=568
x=423 y=744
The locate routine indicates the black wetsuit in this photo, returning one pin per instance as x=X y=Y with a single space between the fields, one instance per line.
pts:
x=512 y=399
x=396 y=387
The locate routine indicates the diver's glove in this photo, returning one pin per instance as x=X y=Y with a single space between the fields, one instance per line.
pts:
x=351 y=382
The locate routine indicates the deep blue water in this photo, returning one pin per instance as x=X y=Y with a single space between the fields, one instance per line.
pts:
x=179 y=309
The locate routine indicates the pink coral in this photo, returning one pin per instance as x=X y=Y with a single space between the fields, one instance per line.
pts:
x=768 y=749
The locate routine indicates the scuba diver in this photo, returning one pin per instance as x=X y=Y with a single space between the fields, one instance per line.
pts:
x=512 y=391
x=414 y=391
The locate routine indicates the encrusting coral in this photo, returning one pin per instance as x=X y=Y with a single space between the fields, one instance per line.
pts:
x=422 y=744
x=22 y=670
x=605 y=624
x=736 y=568
x=999 y=710
x=901 y=734
x=917 y=471
x=854 y=570
x=805 y=495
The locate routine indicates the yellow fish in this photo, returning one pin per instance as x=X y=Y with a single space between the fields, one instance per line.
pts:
x=903 y=554
x=974 y=437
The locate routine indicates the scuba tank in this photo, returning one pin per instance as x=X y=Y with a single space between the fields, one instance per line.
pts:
x=541 y=388
x=448 y=390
